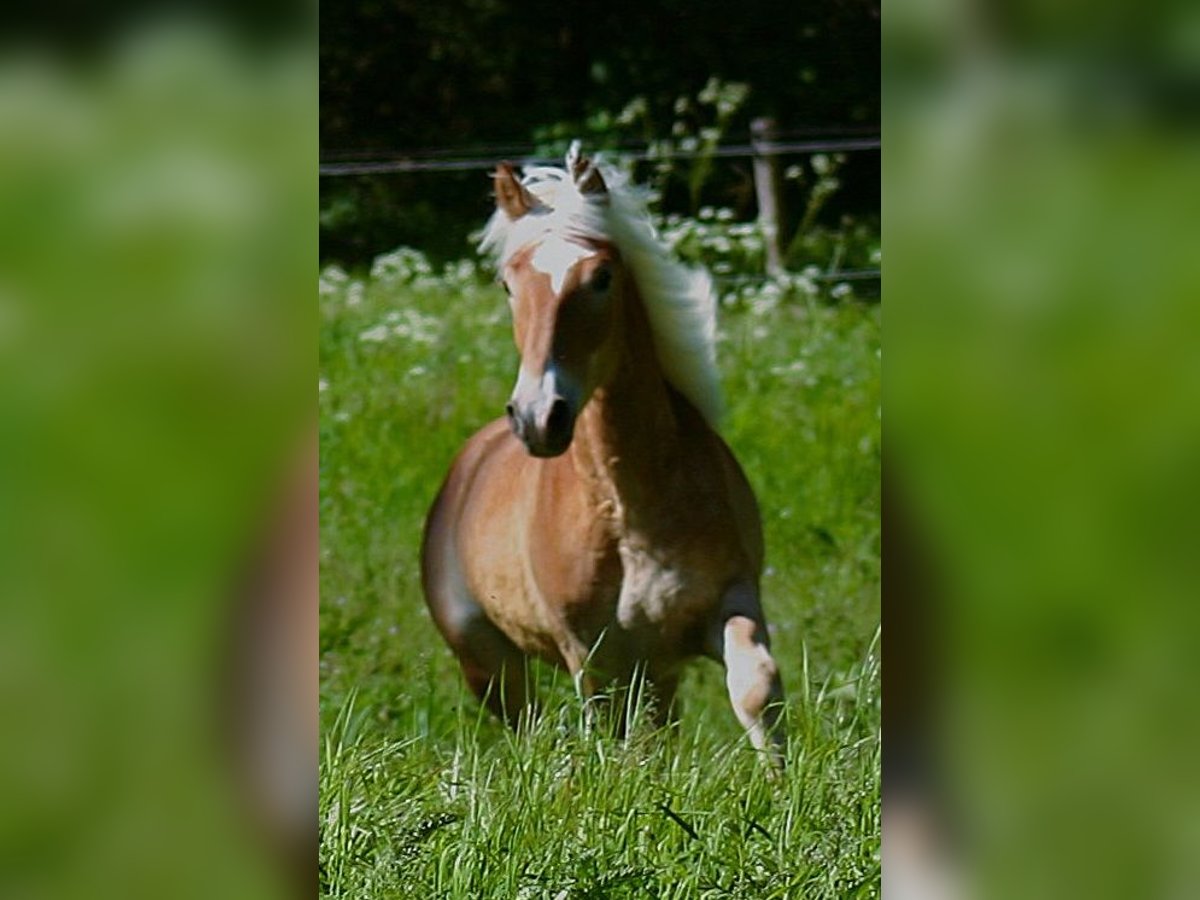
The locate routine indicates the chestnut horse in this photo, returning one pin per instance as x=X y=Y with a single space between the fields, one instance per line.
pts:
x=603 y=525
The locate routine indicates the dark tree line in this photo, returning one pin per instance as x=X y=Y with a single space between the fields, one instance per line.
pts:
x=405 y=75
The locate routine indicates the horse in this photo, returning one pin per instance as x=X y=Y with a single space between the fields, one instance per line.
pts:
x=602 y=524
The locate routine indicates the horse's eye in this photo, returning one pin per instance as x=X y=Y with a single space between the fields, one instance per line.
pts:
x=601 y=279
x=504 y=284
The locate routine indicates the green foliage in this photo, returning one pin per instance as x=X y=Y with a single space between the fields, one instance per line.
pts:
x=422 y=794
x=731 y=250
x=681 y=153
x=361 y=215
x=497 y=78
x=410 y=74
x=854 y=244
x=720 y=238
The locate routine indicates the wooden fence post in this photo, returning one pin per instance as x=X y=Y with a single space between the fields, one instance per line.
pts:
x=763 y=133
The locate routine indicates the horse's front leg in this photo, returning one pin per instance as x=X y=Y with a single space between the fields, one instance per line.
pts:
x=495 y=668
x=739 y=640
x=616 y=688
x=577 y=658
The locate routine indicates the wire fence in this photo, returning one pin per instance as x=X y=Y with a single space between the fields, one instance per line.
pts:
x=835 y=275
x=620 y=146
x=422 y=162
x=484 y=158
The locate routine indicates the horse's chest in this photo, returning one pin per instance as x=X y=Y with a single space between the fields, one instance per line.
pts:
x=658 y=588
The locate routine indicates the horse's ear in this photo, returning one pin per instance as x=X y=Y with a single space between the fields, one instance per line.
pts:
x=511 y=195
x=590 y=181
x=587 y=177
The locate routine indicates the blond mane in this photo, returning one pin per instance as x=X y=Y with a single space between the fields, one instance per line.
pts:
x=680 y=302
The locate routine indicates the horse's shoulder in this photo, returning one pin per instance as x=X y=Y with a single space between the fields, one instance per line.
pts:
x=486 y=438
x=483 y=446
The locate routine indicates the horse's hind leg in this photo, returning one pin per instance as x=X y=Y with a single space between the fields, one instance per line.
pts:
x=751 y=674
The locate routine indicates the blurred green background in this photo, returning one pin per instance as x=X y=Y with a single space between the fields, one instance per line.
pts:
x=1044 y=443
x=157 y=210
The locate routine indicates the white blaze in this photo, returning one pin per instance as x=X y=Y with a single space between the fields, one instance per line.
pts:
x=540 y=391
x=555 y=256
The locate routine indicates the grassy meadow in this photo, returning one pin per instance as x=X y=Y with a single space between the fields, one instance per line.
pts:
x=422 y=795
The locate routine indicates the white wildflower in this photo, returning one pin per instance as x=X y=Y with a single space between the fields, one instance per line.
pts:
x=400 y=266
x=766 y=301
x=334 y=275
x=376 y=335
x=405 y=323
x=798 y=366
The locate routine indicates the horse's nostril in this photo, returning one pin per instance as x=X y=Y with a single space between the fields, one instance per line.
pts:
x=559 y=420
x=514 y=421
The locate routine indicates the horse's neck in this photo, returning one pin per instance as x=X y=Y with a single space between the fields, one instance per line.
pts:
x=629 y=433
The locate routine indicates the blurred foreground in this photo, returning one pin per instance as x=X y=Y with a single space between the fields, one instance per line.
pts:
x=1044 y=452
x=157 y=237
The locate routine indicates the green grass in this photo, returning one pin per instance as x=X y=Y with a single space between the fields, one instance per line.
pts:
x=422 y=795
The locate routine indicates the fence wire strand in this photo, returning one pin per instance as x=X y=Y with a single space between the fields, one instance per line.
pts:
x=731 y=151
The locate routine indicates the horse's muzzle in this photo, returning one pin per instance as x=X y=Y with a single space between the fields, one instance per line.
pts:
x=545 y=429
